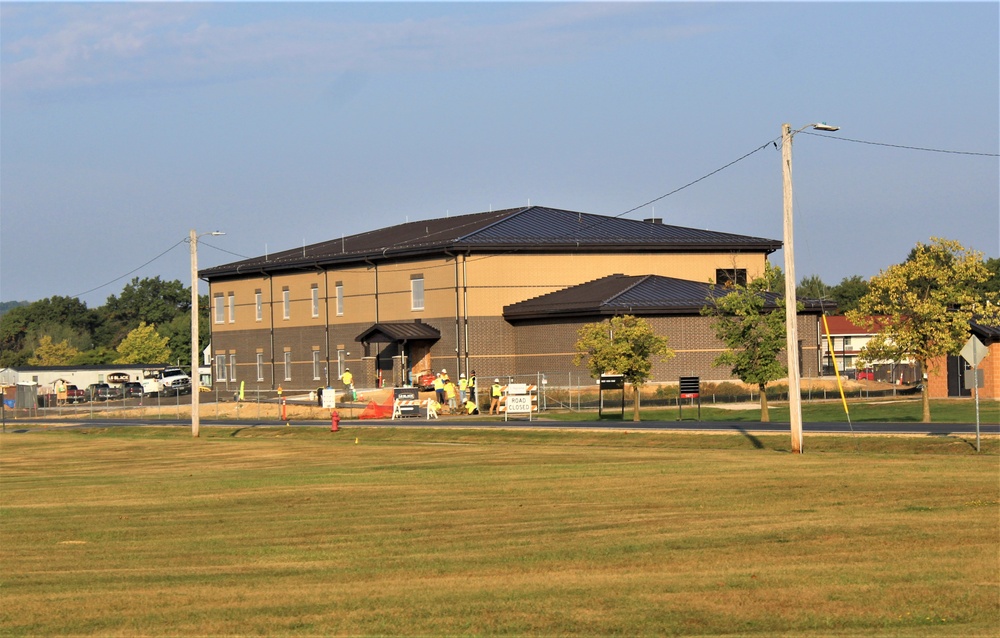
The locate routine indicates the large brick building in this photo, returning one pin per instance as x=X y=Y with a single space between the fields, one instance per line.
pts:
x=499 y=292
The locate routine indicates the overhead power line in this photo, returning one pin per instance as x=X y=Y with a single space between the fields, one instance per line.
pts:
x=87 y=292
x=909 y=148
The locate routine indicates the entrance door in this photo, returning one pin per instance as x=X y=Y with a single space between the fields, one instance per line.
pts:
x=957 y=368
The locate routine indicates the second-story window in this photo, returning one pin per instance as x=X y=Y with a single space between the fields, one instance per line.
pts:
x=220 y=309
x=259 y=305
x=417 y=292
x=340 y=299
x=315 y=300
x=286 y=302
x=232 y=308
x=729 y=277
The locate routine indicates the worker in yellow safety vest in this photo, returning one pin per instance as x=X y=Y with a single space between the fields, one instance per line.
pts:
x=495 y=391
x=439 y=388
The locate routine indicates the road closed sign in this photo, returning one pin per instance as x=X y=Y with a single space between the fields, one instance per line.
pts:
x=519 y=404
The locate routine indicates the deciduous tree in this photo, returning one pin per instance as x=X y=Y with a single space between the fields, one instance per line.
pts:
x=750 y=321
x=922 y=307
x=53 y=354
x=622 y=345
x=143 y=345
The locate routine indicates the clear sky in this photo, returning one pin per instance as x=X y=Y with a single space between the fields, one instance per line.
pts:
x=125 y=125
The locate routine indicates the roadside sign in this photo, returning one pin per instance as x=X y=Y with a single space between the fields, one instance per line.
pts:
x=612 y=381
x=407 y=400
x=975 y=379
x=690 y=387
x=329 y=398
x=974 y=351
x=518 y=404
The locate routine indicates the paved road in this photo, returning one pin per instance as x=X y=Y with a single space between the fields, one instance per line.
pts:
x=938 y=429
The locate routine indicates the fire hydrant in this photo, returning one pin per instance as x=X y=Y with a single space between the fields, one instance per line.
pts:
x=334 y=421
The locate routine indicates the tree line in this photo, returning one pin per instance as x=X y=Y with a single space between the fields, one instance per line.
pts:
x=148 y=322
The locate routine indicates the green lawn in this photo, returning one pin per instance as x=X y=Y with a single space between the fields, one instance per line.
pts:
x=388 y=531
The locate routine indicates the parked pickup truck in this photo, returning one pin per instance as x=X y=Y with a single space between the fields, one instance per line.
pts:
x=75 y=394
x=169 y=382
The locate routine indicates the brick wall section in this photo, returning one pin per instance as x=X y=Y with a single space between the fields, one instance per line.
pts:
x=495 y=349
x=937 y=377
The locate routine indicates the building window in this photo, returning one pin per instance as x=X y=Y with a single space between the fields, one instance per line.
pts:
x=286 y=301
x=220 y=310
x=315 y=300
x=847 y=343
x=729 y=277
x=417 y=292
x=232 y=308
x=340 y=299
x=315 y=365
x=288 y=366
x=220 y=367
x=260 y=366
x=259 y=304
x=232 y=367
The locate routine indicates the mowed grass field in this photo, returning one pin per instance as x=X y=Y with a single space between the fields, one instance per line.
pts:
x=379 y=531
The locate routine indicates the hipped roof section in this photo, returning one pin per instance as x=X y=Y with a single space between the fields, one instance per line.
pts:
x=630 y=295
x=532 y=229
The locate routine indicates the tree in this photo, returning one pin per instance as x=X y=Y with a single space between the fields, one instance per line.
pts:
x=812 y=287
x=151 y=300
x=52 y=354
x=922 y=307
x=62 y=318
x=143 y=345
x=621 y=345
x=848 y=292
x=750 y=321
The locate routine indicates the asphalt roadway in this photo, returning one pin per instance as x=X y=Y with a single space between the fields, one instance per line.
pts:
x=736 y=427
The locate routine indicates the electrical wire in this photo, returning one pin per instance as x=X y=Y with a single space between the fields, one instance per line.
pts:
x=87 y=292
x=909 y=148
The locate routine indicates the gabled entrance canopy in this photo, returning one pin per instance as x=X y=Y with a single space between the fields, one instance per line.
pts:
x=399 y=333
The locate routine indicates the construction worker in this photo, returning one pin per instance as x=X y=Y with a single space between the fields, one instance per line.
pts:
x=472 y=388
x=471 y=408
x=495 y=391
x=449 y=393
x=347 y=378
x=463 y=386
x=439 y=388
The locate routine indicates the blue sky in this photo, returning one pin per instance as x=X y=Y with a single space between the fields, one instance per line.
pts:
x=125 y=125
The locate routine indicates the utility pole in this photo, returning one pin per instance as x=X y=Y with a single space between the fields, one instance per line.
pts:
x=791 y=303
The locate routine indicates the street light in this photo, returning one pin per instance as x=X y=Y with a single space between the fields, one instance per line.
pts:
x=195 y=375
x=791 y=303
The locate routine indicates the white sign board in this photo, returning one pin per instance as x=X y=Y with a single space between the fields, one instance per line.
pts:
x=329 y=398
x=974 y=351
x=517 y=388
x=519 y=404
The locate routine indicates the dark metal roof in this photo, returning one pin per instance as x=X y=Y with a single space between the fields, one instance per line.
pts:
x=529 y=229
x=984 y=331
x=630 y=294
x=390 y=332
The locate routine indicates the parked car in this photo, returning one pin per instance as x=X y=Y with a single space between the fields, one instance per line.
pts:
x=99 y=392
x=132 y=389
x=75 y=394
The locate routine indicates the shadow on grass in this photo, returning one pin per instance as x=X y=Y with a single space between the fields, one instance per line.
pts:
x=750 y=437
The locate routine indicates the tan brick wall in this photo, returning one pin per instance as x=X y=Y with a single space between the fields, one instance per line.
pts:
x=484 y=283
